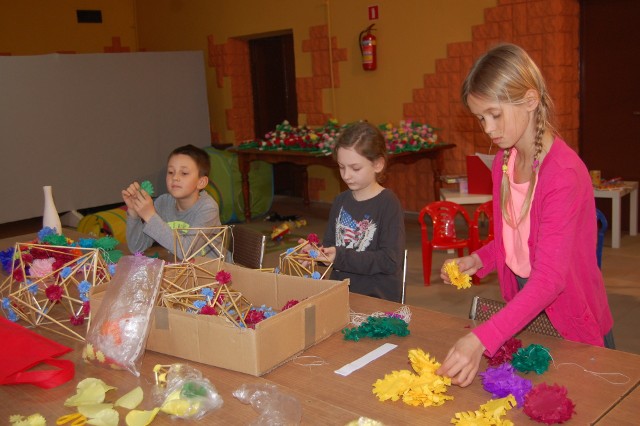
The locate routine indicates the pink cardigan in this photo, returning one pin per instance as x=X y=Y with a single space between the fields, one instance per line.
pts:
x=565 y=280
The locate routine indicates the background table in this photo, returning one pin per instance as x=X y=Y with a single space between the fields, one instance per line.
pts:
x=463 y=198
x=615 y=194
x=302 y=158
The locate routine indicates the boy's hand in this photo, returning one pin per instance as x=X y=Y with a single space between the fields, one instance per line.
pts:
x=139 y=202
x=128 y=195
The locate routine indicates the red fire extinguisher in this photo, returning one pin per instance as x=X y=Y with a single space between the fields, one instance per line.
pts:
x=368 y=49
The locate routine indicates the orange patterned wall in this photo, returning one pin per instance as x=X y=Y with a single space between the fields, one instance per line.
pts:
x=231 y=59
x=548 y=30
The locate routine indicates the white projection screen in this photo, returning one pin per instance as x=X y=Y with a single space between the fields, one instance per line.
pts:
x=88 y=125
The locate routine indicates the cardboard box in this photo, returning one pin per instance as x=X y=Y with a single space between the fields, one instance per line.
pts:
x=479 y=174
x=323 y=309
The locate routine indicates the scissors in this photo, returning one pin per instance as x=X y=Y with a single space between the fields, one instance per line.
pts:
x=75 y=419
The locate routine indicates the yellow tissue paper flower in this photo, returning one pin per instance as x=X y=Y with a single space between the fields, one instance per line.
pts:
x=141 y=418
x=499 y=407
x=425 y=388
x=33 y=420
x=472 y=418
x=176 y=406
x=421 y=362
x=490 y=413
x=92 y=410
x=88 y=353
x=100 y=356
x=459 y=280
x=106 y=417
x=89 y=391
x=131 y=399
x=393 y=385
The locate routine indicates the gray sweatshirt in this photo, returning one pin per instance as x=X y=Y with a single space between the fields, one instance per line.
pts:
x=160 y=228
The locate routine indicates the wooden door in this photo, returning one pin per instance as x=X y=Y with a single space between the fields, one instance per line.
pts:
x=610 y=91
x=274 y=98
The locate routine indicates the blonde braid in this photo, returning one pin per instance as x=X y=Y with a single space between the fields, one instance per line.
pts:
x=505 y=189
x=540 y=129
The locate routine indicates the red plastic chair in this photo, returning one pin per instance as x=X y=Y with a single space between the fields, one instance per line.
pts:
x=483 y=212
x=442 y=215
x=486 y=210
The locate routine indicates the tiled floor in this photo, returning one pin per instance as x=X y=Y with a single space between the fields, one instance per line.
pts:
x=620 y=269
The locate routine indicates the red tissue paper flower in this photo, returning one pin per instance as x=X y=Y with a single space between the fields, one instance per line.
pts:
x=18 y=275
x=253 y=317
x=548 y=404
x=54 y=293
x=313 y=238
x=208 y=310
x=77 y=320
x=505 y=353
x=223 y=277
x=86 y=308
x=289 y=304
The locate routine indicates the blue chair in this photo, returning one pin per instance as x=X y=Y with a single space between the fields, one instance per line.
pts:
x=602 y=229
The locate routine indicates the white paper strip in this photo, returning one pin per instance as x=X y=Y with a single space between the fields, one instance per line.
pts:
x=366 y=359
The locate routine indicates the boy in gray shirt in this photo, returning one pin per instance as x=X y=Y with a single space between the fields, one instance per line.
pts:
x=185 y=205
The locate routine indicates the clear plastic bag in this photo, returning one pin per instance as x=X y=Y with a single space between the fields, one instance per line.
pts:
x=275 y=408
x=184 y=393
x=118 y=332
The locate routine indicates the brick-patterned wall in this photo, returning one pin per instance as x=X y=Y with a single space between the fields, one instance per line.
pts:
x=548 y=30
x=309 y=89
x=231 y=59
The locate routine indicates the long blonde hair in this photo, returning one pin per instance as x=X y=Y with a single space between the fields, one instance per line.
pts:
x=505 y=74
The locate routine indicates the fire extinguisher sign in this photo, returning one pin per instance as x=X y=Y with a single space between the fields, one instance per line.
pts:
x=373 y=13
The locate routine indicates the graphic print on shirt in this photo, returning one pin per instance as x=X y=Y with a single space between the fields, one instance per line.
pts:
x=353 y=234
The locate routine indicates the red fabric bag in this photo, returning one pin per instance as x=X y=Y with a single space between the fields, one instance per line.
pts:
x=24 y=349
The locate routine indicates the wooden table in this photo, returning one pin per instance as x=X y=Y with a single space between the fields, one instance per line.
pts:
x=301 y=158
x=327 y=398
x=624 y=413
x=615 y=194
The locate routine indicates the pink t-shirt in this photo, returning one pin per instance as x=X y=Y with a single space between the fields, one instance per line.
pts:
x=516 y=240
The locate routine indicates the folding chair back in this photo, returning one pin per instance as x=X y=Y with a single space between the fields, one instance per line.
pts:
x=482 y=309
x=247 y=246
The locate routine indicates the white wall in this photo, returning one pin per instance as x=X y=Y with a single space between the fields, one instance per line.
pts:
x=88 y=125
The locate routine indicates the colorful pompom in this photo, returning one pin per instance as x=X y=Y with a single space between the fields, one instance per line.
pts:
x=505 y=353
x=548 y=404
x=377 y=328
x=502 y=381
x=147 y=186
x=425 y=388
x=223 y=277
x=458 y=279
x=289 y=304
x=489 y=414
x=532 y=358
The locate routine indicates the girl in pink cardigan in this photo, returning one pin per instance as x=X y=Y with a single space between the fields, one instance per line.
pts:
x=544 y=245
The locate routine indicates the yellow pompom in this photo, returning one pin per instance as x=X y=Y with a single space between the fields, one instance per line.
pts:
x=459 y=280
